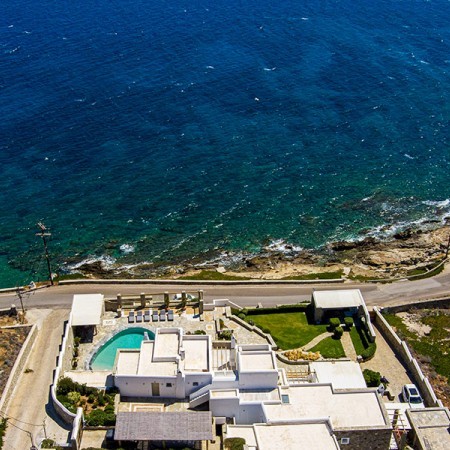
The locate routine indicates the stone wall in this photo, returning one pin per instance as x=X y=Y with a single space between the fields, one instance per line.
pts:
x=363 y=439
x=436 y=303
x=18 y=367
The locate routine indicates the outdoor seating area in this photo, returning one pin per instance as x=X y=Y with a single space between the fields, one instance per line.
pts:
x=149 y=315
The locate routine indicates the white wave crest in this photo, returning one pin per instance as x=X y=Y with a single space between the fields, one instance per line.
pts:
x=127 y=248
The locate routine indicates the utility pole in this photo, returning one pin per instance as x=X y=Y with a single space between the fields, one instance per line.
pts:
x=43 y=234
x=20 y=295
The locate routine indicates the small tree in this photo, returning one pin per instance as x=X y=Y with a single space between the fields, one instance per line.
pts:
x=234 y=443
x=338 y=332
x=348 y=322
x=334 y=323
x=372 y=378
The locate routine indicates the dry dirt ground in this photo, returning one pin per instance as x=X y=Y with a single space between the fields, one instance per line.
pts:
x=11 y=341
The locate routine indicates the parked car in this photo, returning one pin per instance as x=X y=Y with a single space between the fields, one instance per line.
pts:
x=411 y=395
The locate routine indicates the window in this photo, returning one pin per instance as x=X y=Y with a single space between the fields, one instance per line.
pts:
x=285 y=398
x=345 y=441
x=195 y=383
x=168 y=384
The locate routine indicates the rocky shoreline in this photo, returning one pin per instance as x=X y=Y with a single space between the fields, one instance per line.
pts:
x=407 y=252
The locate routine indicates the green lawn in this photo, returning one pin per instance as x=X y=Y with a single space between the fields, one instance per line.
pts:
x=330 y=348
x=317 y=276
x=212 y=275
x=360 y=340
x=289 y=330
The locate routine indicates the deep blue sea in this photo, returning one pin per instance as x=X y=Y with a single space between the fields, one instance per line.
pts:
x=166 y=130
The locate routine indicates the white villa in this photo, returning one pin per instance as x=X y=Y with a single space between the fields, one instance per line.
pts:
x=328 y=409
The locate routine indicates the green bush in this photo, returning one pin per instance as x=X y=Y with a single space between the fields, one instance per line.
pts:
x=334 y=323
x=3 y=426
x=74 y=397
x=348 y=322
x=101 y=399
x=338 y=332
x=234 y=443
x=225 y=335
x=109 y=409
x=369 y=352
x=242 y=316
x=303 y=307
x=91 y=398
x=244 y=311
x=99 y=418
x=48 y=443
x=199 y=332
x=65 y=385
x=372 y=379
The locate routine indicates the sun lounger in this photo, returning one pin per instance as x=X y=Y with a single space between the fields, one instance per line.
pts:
x=147 y=315
x=162 y=315
x=131 y=317
x=170 y=315
x=155 y=316
x=139 y=316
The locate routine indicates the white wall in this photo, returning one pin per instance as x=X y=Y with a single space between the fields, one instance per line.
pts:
x=141 y=386
x=258 y=380
x=202 y=378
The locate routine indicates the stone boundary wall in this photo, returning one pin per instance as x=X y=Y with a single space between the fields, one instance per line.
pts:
x=62 y=412
x=423 y=304
x=16 y=371
x=198 y=282
x=401 y=349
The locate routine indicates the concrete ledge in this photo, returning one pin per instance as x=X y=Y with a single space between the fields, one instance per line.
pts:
x=199 y=282
x=21 y=360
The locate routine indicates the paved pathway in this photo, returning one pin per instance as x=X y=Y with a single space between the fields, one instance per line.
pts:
x=29 y=405
x=388 y=364
x=347 y=344
x=316 y=340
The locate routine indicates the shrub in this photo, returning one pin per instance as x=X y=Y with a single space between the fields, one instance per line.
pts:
x=74 y=397
x=75 y=352
x=225 y=335
x=65 y=385
x=101 y=399
x=91 y=398
x=372 y=379
x=241 y=316
x=48 y=443
x=234 y=443
x=250 y=322
x=244 y=311
x=3 y=426
x=109 y=409
x=99 y=418
x=334 y=323
x=76 y=341
x=369 y=352
x=74 y=363
x=338 y=332
x=199 y=332
x=348 y=322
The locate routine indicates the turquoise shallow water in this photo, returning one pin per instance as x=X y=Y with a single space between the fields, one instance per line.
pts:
x=173 y=130
x=129 y=338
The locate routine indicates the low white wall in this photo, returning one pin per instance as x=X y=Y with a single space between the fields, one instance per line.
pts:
x=141 y=386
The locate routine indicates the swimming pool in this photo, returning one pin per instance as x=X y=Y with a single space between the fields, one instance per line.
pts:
x=129 y=338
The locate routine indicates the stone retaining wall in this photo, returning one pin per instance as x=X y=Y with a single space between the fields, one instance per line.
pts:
x=433 y=303
x=401 y=349
x=18 y=367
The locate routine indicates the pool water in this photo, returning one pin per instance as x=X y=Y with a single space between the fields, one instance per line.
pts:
x=129 y=338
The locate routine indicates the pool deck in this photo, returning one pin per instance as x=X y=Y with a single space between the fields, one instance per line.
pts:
x=187 y=320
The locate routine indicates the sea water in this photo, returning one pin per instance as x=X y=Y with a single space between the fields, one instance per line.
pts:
x=162 y=131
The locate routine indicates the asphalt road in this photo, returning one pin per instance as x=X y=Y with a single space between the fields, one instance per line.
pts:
x=244 y=295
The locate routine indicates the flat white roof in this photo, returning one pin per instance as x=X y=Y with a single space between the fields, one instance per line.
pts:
x=335 y=299
x=342 y=374
x=345 y=408
x=166 y=344
x=127 y=362
x=87 y=309
x=255 y=361
x=196 y=354
x=311 y=436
